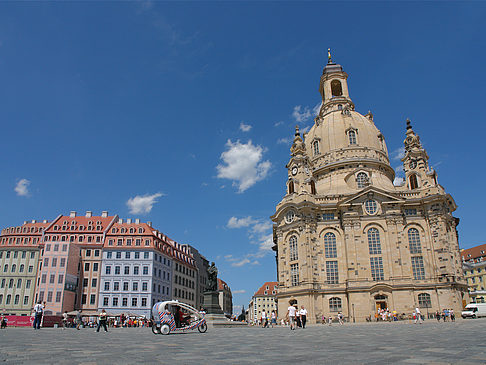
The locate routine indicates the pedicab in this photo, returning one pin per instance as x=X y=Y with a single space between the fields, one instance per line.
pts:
x=167 y=318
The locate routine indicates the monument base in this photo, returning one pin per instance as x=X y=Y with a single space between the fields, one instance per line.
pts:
x=211 y=303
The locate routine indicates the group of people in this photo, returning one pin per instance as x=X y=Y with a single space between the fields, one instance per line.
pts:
x=264 y=319
x=445 y=315
x=330 y=319
x=296 y=317
x=386 y=315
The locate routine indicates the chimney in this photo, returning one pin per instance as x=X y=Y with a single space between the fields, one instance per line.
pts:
x=137 y=221
x=25 y=222
x=89 y=214
x=149 y=224
x=104 y=214
x=34 y=221
x=120 y=220
x=72 y=214
x=129 y=220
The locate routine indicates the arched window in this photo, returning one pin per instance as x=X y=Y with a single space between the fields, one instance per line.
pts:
x=361 y=180
x=413 y=182
x=336 y=88
x=21 y=268
x=374 y=241
x=330 y=245
x=352 y=137
x=313 y=187
x=291 y=187
x=9 y=298
x=315 y=147
x=414 y=241
x=335 y=304
x=294 y=254
x=14 y=267
x=1 y=298
x=424 y=300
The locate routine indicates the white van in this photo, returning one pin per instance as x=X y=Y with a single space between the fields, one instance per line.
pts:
x=474 y=310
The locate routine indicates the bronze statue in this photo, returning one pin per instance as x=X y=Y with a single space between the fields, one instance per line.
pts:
x=212 y=278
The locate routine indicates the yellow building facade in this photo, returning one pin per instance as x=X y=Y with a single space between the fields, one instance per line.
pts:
x=349 y=237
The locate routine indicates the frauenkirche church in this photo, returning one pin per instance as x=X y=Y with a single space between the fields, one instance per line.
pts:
x=346 y=238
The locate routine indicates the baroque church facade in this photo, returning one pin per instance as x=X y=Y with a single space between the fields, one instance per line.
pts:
x=346 y=238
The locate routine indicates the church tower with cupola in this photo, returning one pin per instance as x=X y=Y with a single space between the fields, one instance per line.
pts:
x=346 y=238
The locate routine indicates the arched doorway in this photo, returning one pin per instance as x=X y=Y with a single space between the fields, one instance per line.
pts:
x=381 y=301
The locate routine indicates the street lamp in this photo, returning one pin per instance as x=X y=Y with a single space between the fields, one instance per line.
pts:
x=354 y=318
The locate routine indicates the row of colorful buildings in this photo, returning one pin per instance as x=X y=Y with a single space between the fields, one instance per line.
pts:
x=96 y=262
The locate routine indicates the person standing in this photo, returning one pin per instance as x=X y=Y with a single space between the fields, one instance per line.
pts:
x=102 y=321
x=453 y=316
x=340 y=318
x=38 y=311
x=79 y=319
x=274 y=318
x=264 y=318
x=297 y=316
x=329 y=321
x=291 y=314
x=303 y=316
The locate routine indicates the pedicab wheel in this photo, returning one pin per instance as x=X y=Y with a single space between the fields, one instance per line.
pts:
x=155 y=330
x=165 y=329
x=203 y=328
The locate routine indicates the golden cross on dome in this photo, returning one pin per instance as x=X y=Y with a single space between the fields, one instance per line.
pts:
x=329 y=60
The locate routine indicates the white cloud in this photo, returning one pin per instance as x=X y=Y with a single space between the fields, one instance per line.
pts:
x=301 y=114
x=287 y=140
x=245 y=127
x=142 y=203
x=240 y=263
x=22 y=187
x=398 y=154
x=243 y=164
x=399 y=181
x=234 y=222
x=260 y=227
x=278 y=124
x=317 y=109
x=240 y=291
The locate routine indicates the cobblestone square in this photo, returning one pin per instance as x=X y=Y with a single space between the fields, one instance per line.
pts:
x=377 y=343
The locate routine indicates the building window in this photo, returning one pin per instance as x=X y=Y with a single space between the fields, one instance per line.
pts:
x=86 y=266
x=313 y=187
x=62 y=263
x=118 y=255
x=114 y=302
x=134 y=302
x=291 y=187
x=108 y=270
x=330 y=245
x=411 y=211
x=19 y=283
x=124 y=302
x=135 y=286
x=125 y=286
x=145 y=270
x=94 y=282
x=116 y=286
x=127 y=270
x=374 y=241
x=21 y=268
x=137 y=255
x=16 y=300
x=424 y=300
x=361 y=180
x=107 y=285
x=145 y=255
x=117 y=270
x=418 y=268
x=336 y=88
x=105 y=301
x=332 y=272
x=85 y=282
x=328 y=216
x=414 y=241
x=54 y=262
x=136 y=270
x=293 y=249
x=95 y=266
x=60 y=279
x=27 y=284
x=377 y=268
x=294 y=274
x=371 y=206
x=92 y=299
x=413 y=182
x=315 y=147
x=58 y=296
x=144 y=302
x=26 y=300
x=49 y=296
x=352 y=137
x=144 y=286
x=335 y=305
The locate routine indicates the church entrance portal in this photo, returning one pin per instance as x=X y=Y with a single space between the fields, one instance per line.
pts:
x=380 y=301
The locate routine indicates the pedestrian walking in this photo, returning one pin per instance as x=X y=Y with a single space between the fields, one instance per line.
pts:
x=274 y=318
x=291 y=315
x=79 y=319
x=64 y=320
x=418 y=316
x=264 y=319
x=437 y=316
x=3 y=322
x=297 y=316
x=340 y=318
x=102 y=321
x=303 y=316
x=329 y=321
x=453 y=316
x=38 y=311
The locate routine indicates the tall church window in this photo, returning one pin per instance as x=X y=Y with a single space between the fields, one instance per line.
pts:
x=336 y=88
x=424 y=300
x=418 y=268
x=315 y=147
x=352 y=137
x=294 y=255
x=374 y=241
x=361 y=180
x=413 y=182
x=332 y=272
x=377 y=268
x=330 y=245
x=335 y=305
x=294 y=274
x=291 y=187
x=414 y=241
x=313 y=187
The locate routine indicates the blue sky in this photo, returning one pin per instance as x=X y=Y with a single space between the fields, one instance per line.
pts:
x=182 y=113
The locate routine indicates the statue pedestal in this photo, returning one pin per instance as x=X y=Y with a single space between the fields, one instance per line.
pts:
x=211 y=303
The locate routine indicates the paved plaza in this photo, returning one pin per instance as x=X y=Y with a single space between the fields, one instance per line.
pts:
x=377 y=343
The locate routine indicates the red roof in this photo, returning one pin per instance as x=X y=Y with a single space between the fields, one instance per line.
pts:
x=268 y=288
x=474 y=252
x=221 y=284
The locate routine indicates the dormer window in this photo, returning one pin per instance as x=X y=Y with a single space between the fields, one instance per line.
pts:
x=352 y=137
x=361 y=180
x=315 y=147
